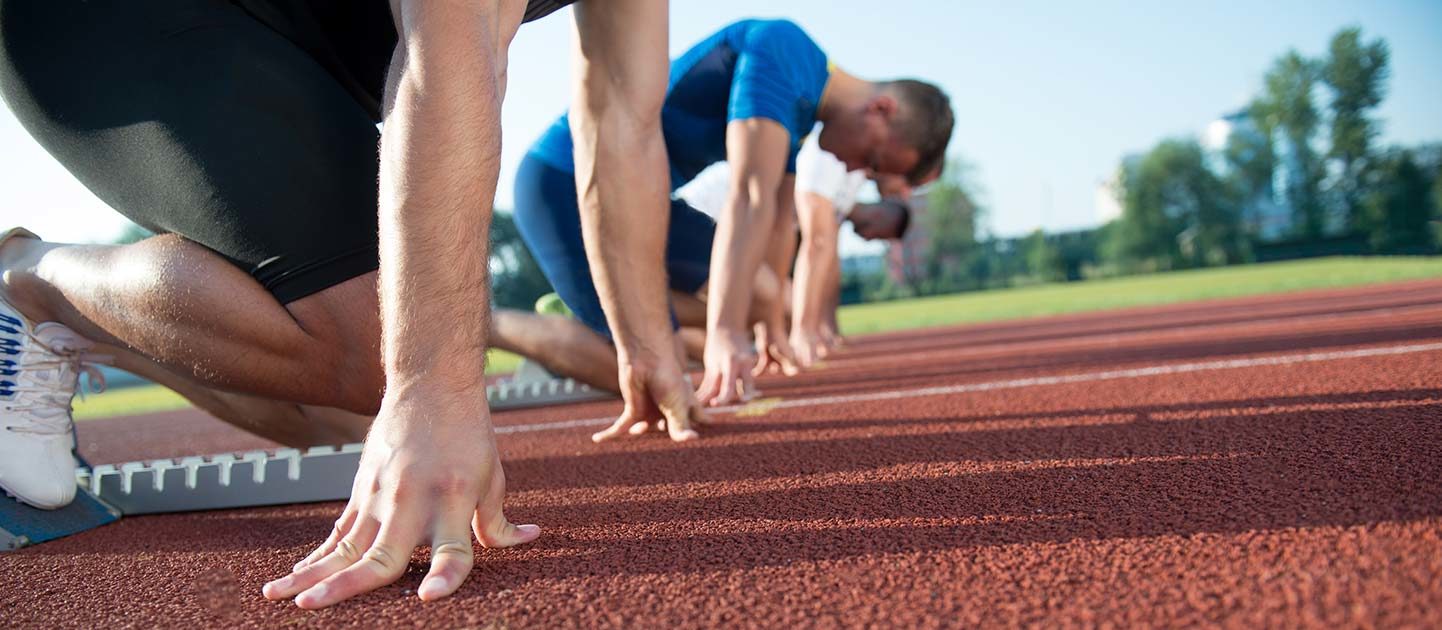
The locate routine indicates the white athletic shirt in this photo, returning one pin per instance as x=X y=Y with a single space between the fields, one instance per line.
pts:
x=817 y=171
x=820 y=172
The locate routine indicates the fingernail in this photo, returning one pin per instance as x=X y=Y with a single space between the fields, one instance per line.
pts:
x=281 y=584
x=313 y=595
x=529 y=530
x=432 y=587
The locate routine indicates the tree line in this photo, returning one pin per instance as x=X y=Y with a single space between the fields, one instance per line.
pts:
x=1297 y=172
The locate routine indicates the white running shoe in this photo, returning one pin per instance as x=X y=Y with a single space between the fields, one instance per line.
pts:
x=40 y=369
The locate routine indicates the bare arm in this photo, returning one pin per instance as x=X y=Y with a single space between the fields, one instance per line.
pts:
x=429 y=472
x=624 y=194
x=819 y=229
x=757 y=149
x=830 y=330
x=771 y=305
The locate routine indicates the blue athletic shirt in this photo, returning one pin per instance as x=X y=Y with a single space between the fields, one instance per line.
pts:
x=751 y=69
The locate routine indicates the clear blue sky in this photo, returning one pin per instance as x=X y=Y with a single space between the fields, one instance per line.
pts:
x=1049 y=96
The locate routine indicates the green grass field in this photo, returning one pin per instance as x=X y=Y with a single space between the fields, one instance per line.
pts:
x=1002 y=304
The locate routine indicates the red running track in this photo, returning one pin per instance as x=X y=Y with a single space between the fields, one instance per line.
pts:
x=1299 y=485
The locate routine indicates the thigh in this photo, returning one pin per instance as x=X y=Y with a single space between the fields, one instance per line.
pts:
x=688 y=247
x=197 y=119
x=549 y=220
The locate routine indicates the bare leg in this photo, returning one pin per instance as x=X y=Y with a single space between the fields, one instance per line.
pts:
x=693 y=339
x=284 y=422
x=195 y=314
x=561 y=344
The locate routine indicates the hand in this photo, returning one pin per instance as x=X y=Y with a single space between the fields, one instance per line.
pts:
x=831 y=339
x=773 y=351
x=729 y=358
x=655 y=395
x=809 y=346
x=429 y=472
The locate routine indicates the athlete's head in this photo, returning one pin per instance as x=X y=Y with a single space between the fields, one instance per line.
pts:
x=887 y=219
x=902 y=128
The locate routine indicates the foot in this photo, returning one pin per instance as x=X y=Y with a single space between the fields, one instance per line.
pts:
x=40 y=367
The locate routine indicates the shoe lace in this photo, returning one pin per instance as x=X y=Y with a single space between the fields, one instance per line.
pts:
x=53 y=396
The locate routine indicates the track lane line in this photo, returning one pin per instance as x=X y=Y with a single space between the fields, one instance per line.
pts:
x=1037 y=381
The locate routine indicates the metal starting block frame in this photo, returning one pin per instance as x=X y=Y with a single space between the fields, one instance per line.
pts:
x=235 y=480
x=533 y=386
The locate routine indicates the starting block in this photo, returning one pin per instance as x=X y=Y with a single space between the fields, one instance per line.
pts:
x=234 y=480
x=533 y=386
x=22 y=525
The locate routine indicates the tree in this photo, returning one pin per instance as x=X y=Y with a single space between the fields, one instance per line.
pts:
x=1175 y=212
x=516 y=279
x=1399 y=211
x=1356 y=73
x=951 y=219
x=1437 y=206
x=1043 y=261
x=1287 y=106
x=1251 y=157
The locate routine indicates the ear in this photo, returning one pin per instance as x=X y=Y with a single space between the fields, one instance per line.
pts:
x=883 y=104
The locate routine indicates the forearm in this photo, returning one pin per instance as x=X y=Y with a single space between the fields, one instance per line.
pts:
x=833 y=291
x=819 y=229
x=622 y=175
x=439 y=164
x=741 y=237
x=813 y=269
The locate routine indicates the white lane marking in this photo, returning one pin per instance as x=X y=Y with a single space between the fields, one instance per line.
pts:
x=1108 y=375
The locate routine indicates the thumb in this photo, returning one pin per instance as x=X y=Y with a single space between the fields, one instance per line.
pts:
x=490 y=524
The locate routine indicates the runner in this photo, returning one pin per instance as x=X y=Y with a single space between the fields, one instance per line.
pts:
x=244 y=134
x=747 y=94
x=826 y=197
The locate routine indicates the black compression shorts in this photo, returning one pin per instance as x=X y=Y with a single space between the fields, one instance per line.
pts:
x=246 y=126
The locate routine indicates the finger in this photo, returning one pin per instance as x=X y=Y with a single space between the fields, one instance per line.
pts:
x=699 y=415
x=710 y=385
x=347 y=552
x=342 y=526
x=748 y=387
x=383 y=562
x=763 y=362
x=785 y=359
x=618 y=428
x=495 y=531
x=640 y=428
x=676 y=407
x=451 y=553
x=726 y=393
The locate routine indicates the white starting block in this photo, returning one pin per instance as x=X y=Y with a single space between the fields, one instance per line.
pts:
x=235 y=480
x=533 y=386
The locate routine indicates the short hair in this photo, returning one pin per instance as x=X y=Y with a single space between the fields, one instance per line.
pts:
x=925 y=123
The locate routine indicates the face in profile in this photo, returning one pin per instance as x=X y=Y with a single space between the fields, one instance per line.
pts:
x=865 y=139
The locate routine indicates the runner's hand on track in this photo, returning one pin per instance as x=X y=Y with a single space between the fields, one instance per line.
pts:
x=655 y=395
x=773 y=351
x=808 y=345
x=729 y=358
x=422 y=479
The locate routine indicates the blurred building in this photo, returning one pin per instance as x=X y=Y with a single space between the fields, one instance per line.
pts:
x=906 y=257
x=1237 y=138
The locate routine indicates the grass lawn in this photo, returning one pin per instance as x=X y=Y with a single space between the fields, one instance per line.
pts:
x=1147 y=290
x=151 y=398
x=984 y=306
